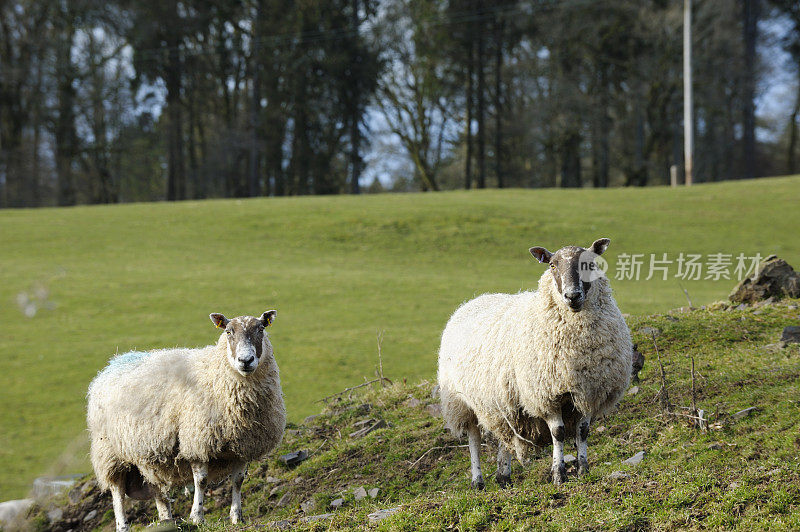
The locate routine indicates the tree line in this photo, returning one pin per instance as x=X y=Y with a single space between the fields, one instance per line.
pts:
x=117 y=101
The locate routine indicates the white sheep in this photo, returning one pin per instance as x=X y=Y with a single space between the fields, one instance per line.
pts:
x=163 y=418
x=536 y=366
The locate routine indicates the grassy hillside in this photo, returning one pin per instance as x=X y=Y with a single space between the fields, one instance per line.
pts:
x=741 y=474
x=338 y=270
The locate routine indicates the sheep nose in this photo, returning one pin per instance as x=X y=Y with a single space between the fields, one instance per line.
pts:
x=573 y=295
x=247 y=361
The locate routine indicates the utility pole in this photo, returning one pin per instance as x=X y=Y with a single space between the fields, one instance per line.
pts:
x=687 y=91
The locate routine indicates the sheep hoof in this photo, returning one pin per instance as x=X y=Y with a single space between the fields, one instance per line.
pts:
x=478 y=483
x=559 y=474
x=583 y=467
x=196 y=519
x=503 y=480
x=236 y=517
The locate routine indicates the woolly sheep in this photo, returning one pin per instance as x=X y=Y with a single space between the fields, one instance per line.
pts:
x=536 y=366
x=163 y=418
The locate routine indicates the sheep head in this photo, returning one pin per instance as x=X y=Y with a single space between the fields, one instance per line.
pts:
x=573 y=269
x=245 y=339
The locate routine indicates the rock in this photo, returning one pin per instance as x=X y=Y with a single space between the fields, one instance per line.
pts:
x=413 y=402
x=373 y=493
x=435 y=410
x=91 y=515
x=75 y=495
x=308 y=505
x=55 y=514
x=634 y=390
x=636 y=459
x=569 y=458
x=743 y=306
x=284 y=501
x=10 y=510
x=650 y=331
x=380 y=515
x=367 y=429
x=320 y=517
x=601 y=429
x=309 y=419
x=272 y=480
x=618 y=475
x=435 y=392
x=792 y=307
x=791 y=335
x=283 y=524
x=360 y=493
x=47 y=486
x=274 y=491
x=773 y=277
x=364 y=422
x=298 y=480
x=741 y=414
x=294 y=458
x=337 y=503
x=637 y=360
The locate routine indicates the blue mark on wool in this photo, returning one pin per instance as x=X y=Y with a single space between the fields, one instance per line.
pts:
x=127 y=360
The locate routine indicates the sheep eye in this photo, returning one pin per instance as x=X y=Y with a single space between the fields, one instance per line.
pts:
x=229 y=332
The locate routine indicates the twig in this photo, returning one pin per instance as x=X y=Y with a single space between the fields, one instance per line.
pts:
x=325 y=399
x=663 y=394
x=435 y=449
x=380 y=359
x=686 y=293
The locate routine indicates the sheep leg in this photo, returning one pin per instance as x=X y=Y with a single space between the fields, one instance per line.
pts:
x=163 y=506
x=200 y=474
x=117 y=498
x=237 y=477
x=503 y=475
x=474 y=435
x=558 y=432
x=581 y=437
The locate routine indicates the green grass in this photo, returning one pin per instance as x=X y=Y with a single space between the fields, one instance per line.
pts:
x=741 y=474
x=338 y=270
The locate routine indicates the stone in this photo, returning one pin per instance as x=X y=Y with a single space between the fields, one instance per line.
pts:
x=601 y=429
x=633 y=390
x=360 y=493
x=283 y=524
x=791 y=335
x=743 y=306
x=435 y=392
x=294 y=458
x=55 y=514
x=618 y=475
x=569 y=458
x=636 y=459
x=298 y=480
x=774 y=277
x=284 y=501
x=75 y=495
x=308 y=505
x=91 y=515
x=10 y=510
x=272 y=480
x=413 y=402
x=274 y=491
x=741 y=414
x=373 y=493
x=650 y=331
x=380 y=515
x=369 y=428
x=337 y=503
x=435 y=410
x=320 y=517
x=47 y=486
x=309 y=419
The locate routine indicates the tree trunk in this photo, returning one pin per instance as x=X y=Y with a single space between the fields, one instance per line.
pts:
x=498 y=104
x=176 y=175
x=481 y=109
x=751 y=10
x=791 y=155
x=470 y=103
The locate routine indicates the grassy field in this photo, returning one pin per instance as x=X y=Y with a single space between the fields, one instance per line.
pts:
x=337 y=269
x=741 y=474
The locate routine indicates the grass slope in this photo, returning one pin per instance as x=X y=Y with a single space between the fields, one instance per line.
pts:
x=742 y=474
x=338 y=270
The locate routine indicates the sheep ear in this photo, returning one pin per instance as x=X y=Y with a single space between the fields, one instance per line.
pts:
x=268 y=317
x=541 y=254
x=599 y=246
x=219 y=320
